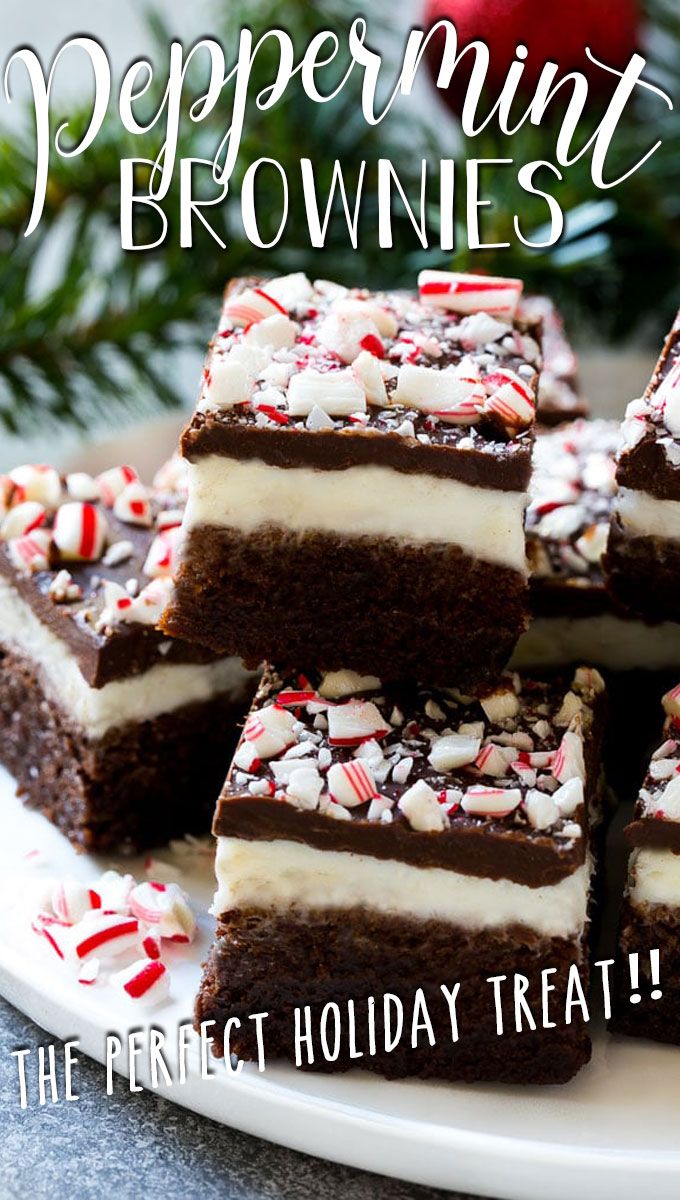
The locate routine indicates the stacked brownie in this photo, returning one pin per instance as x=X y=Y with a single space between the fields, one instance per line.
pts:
x=358 y=472
x=378 y=840
x=399 y=814
x=573 y=493
x=120 y=735
x=650 y=918
x=643 y=554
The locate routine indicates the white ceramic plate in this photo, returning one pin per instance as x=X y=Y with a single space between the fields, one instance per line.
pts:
x=612 y=1132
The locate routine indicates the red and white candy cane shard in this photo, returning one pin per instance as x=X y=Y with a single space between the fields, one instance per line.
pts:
x=269 y=731
x=118 y=605
x=53 y=930
x=568 y=762
x=133 y=505
x=81 y=486
x=537 y=758
x=164 y=906
x=72 y=899
x=511 y=399
x=151 y=945
x=525 y=773
x=469 y=293
x=152 y=599
x=373 y=344
x=466 y=412
x=293 y=699
x=161 y=559
x=503 y=377
x=177 y=923
x=355 y=722
x=169 y=518
x=114 y=481
x=107 y=935
x=21 y=519
x=89 y=972
x=39 y=483
x=146 y=981
x=481 y=801
x=513 y=411
x=493 y=760
x=31 y=552
x=251 y=306
x=79 y=532
x=351 y=783
x=146 y=901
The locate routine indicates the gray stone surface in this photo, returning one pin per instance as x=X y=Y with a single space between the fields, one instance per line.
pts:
x=131 y=1146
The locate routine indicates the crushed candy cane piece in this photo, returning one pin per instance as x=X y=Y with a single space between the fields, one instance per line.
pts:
x=500 y=704
x=133 y=505
x=114 y=481
x=453 y=750
x=81 y=486
x=79 y=532
x=422 y=809
x=162 y=556
x=354 y=722
x=37 y=483
x=250 y=306
x=480 y=801
x=165 y=905
x=146 y=981
x=107 y=935
x=568 y=762
x=351 y=783
x=336 y=393
x=71 y=900
x=462 y=293
x=335 y=685
x=31 y=552
x=89 y=972
x=304 y=787
x=23 y=518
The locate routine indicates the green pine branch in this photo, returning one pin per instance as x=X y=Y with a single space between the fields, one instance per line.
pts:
x=96 y=330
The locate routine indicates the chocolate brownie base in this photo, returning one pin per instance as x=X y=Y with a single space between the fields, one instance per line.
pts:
x=656 y=927
x=223 y=584
x=643 y=573
x=139 y=785
x=261 y=963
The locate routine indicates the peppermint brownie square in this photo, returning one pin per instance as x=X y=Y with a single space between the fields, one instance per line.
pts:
x=381 y=838
x=559 y=395
x=573 y=491
x=359 y=465
x=120 y=735
x=650 y=917
x=643 y=553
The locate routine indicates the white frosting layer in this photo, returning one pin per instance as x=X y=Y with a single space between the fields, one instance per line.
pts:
x=161 y=689
x=289 y=875
x=643 y=515
x=605 y=640
x=368 y=501
x=654 y=877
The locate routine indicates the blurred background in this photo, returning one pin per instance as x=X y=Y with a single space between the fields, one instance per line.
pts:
x=91 y=337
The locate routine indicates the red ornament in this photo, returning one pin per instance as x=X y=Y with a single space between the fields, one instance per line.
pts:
x=557 y=33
